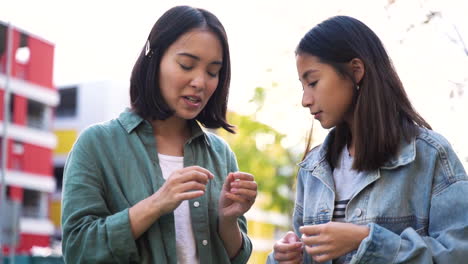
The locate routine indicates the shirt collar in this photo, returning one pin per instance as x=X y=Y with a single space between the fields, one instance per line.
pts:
x=406 y=154
x=130 y=121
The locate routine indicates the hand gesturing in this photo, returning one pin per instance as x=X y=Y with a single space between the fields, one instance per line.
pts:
x=238 y=194
x=183 y=184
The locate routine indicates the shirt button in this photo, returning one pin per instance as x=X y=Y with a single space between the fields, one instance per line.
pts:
x=196 y=204
x=358 y=212
x=205 y=242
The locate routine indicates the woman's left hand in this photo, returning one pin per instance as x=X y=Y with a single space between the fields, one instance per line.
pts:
x=238 y=194
x=331 y=240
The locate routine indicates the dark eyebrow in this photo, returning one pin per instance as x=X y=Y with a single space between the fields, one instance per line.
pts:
x=305 y=74
x=197 y=58
x=189 y=55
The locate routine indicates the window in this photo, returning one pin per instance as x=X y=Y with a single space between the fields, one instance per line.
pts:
x=12 y=107
x=22 y=55
x=34 y=204
x=58 y=174
x=23 y=52
x=68 y=102
x=3 y=41
x=38 y=115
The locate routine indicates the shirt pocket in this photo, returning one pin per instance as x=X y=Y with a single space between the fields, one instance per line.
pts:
x=322 y=216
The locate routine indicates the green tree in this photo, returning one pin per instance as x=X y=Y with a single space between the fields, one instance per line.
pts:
x=259 y=151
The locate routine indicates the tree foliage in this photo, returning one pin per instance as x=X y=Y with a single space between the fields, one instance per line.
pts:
x=259 y=151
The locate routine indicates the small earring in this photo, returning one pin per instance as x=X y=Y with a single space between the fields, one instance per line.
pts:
x=357 y=87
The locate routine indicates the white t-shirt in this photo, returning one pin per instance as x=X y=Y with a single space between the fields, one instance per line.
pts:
x=185 y=240
x=346 y=180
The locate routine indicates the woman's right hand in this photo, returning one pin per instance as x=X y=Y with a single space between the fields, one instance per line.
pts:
x=184 y=184
x=288 y=249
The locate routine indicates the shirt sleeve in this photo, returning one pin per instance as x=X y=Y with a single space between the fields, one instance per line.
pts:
x=297 y=215
x=447 y=239
x=246 y=249
x=91 y=234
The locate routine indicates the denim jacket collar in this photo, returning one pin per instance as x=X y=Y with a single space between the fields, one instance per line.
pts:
x=129 y=120
x=406 y=154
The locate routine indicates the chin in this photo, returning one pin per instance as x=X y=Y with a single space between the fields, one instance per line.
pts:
x=188 y=116
x=326 y=126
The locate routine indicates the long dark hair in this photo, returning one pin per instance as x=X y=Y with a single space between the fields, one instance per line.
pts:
x=383 y=114
x=145 y=94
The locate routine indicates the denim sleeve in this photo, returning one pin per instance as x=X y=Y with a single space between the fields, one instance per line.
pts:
x=447 y=240
x=271 y=259
x=297 y=214
x=91 y=234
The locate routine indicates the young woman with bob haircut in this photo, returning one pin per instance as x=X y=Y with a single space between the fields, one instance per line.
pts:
x=152 y=186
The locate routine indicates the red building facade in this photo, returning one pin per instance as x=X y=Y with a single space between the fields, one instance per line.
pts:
x=30 y=141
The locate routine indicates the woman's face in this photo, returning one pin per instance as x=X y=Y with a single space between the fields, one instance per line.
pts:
x=189 y=72
x=327 y=94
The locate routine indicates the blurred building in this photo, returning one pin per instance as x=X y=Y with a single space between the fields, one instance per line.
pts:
x=30 y=140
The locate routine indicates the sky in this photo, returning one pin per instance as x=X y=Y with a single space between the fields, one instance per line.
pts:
x=100 y=40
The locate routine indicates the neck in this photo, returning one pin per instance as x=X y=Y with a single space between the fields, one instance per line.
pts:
x=171 y=135
x=171 y=127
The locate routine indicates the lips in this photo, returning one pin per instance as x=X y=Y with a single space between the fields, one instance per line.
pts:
x=317 y=114
x=192 y=102
x=192 y=99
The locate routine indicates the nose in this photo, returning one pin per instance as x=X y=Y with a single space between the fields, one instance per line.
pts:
x=198 y=80
x=307 y=99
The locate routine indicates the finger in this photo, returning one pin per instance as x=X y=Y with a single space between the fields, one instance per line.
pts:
x=312 y=240
x=237 y=198
x=243 y=176
x=189 y=195
x=288 y=257
x=248 y=194
x=252 y=185
x=184 y=175
x=190 y=186
x=316 y=250
x=199 y=169
x=195 y=175
x=288 y=247
x=310 y=230
x=291 y=237
x=227 y=182
x=322 y=257
x=289 y=242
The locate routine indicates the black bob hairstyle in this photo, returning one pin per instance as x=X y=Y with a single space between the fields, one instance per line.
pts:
x=145 y=94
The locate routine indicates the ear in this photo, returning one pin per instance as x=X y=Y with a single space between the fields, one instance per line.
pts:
x=357 y=69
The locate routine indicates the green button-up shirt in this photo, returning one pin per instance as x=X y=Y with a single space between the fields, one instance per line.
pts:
x=113 y=166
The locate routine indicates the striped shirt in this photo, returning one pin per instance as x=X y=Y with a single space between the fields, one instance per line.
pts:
x=339 y=212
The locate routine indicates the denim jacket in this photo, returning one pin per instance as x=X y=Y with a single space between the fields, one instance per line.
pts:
x=415 y=205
